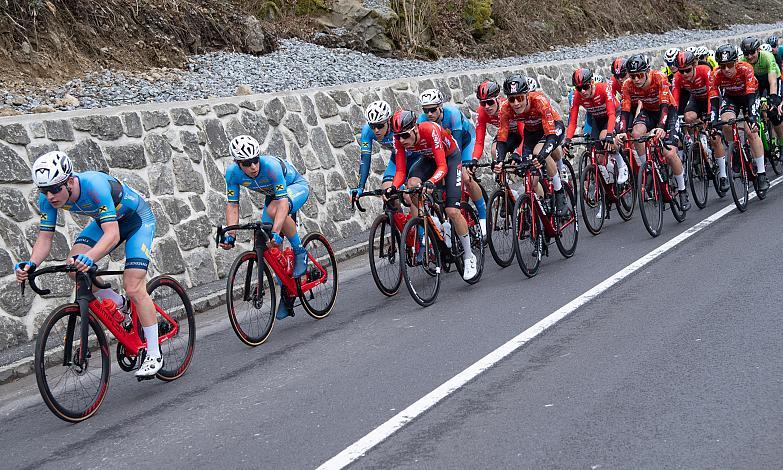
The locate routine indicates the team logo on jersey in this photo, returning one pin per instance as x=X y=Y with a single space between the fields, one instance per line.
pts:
x=146 y=250
x=103 y=209
x=279 y=187
x=246 y=183
x=44 y=216
x=230 y=193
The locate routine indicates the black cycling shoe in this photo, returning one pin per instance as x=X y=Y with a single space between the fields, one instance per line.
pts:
x=685 y=202
x=762 y=183
x=723 y=184
x=560 y=203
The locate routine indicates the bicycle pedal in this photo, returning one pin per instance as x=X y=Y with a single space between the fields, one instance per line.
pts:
x=142 y=379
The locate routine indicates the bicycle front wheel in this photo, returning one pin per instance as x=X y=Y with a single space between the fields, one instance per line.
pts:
x=383 y=251
x=72 y=391
x=528 y=236
x=650 y=199
x=697 y=174
x=421 y=264
x=250 y=301
x=319 y=299
x=177 y=351
x=567 y=225
x=776 y=159
x=500 y=228
x=738 y=179
x=593 y=200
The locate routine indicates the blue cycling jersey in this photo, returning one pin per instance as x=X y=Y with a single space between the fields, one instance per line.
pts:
x=101 y=197
x=367 y=138
x=455 y=122
x=274 y=176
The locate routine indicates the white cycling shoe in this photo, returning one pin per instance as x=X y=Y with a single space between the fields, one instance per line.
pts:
x=622 y=175
x=150 y=366
x=470 y=268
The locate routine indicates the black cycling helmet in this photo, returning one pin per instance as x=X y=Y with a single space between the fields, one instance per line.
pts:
x=403 y=121
x=726 y=54
x=750 y=45
x=487 y=90
x=618 y=68
x=515 y=85
x=773 y=42
x=582 y=76
x=684 y=60
x=637 y=63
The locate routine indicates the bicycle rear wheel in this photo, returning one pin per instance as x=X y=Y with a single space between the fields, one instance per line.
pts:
x=72 y=392
x=567 y=226
x=476 y=244
x=593 y=199
x=421 y=266
x=738 y=179
x=776 y=159
x=177 y=351
x=319 y=300
x=250 y=301
x=697 y=174
x=528 y=236
x=650 y=199
x=383 y=251
x=500 y=228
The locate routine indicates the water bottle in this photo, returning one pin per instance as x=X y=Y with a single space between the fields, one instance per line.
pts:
x=703 y=140
x=288 y=260
x=110 y=308
x=447 y=233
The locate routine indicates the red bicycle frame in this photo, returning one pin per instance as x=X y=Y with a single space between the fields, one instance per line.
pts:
x=548 y=219
x=746 y=165
x=129 y=339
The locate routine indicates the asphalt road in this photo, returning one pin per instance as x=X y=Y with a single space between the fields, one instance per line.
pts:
x=676 y=366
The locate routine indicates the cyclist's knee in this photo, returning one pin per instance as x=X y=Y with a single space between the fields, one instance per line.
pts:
x=134 y=283
x=452 y=212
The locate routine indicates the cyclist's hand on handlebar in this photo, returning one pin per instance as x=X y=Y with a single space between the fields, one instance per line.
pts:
x=228 y=242
x=355 y=193
x=389 y=192
x=619 y=138
x=754 y=124
x=23 y=269
x=608 y=142
x=428 y=186
x=82 y=262
x=497 y=167
x=274 y=241
x=538 y=161
x=659 y=133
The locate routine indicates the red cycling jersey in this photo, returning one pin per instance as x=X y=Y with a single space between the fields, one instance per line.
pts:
x=481 y=126
x=699 y=85
x=617 y=88
x=539 y=115
x=742 y=83
x=601 y=105
x=652 y=97
x=434 y=142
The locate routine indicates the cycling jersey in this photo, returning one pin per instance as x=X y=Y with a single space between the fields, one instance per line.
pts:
x=539 y=115
x=454 y=122
x=742 y=83
x=765 y=64
x=617 y=88
x=669 y=72
x=482 y=120
x=601 y=105
x=274 y=176
x=367 y=138
x=587 y=126
x=698 y=84
x=434 y=142
x=709 y=62
x=655 y=98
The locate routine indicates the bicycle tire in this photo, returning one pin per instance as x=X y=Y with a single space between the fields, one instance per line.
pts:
x=776 y=159
x=567 y=248
x=430 y=252
x=698 y=181
x=45 y=366
x=528 y=236
x=592 y=202
x=626 y=194
x=476 y=244
x=258 y=302
x=738 y=183
x=647 y=184
x=325 y=257
x=383 y=232
x=174 y=363
x=500 y=228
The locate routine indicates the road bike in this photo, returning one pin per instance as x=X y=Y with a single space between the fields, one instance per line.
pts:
x=740 y=167
x=773 y=153
x=701 y=167
x=72 y=358
x=250 y=288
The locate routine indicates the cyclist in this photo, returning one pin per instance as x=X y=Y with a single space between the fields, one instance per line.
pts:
x=488 y=112
x=619 y=75
x=601 y=106
x=668 y=63
x=119 y=214
x=697 y=79
x=532 y=84
x=767 y=73
x=285 y=190
x=736 y=85
x=777 y=49
x=440 y=162
x=706 y=57
x=658 y=114
x=452 y=120
x=541 y=128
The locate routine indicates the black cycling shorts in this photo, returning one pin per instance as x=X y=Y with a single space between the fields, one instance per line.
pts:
x=425 y=167
x=531 y=139
x=697 y=106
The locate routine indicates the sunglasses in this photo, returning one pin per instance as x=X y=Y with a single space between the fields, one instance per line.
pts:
x=583 y=88
x=403 y=135
x=249 y=163
x=514 y=99
x=378 y=125
x=730 y=65
x=686 y=71
x=430 y=110
x=488 y=103
x=638 y=76
x=52 y=189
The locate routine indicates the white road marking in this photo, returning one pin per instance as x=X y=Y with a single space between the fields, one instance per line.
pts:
x=398 y=421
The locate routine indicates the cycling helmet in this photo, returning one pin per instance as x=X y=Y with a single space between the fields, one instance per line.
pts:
x=487 y=90
x=598 y=78
x=532 y=84
x=750 y=45
x=701 y=52
x=244 y=147
x=670 y=55
x=378 y=111
x=690 y=49
x=582 y=76
x=430 y=97
x=51 y=169
x=618 y=67
x=773 y=41
x=637 y=64
x=516 y=85
x=725 y=54
x=403 y=121
x=766 y=47
x=684 y=60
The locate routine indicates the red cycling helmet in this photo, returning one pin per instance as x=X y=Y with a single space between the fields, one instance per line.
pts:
x=582 y=76
x=618 y=67
x=403 y=121
x=684 y=60
x=487 y=90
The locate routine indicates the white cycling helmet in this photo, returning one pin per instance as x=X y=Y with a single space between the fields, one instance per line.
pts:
x=670 y=56
x=430 y=97
x=691 y=49
x=378 y=111
x=598 y=78
x=701 y=52
x=766 y=47
x=532 y=84
x=244 y=147
x=51 y=169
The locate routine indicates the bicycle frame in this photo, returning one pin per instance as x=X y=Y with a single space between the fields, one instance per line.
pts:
x=608 y=187
x=746 y=165
x=548 y=219
x=655 y=159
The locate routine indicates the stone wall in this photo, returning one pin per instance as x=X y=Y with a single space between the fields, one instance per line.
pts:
x=176 y=153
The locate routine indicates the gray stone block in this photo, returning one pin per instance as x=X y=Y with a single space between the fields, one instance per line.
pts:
x=38 y=130
x=216 y=207
x=224 y=109
x=311 y=161
x=355 y=117
x=340 y=134
x=157 y=147
x=292 y=104
x=176 y=208
x=256 y=125
x=14 y=134
x=100 y=126
x=336 y=184
x=295 y=157
x=60 y=246
x=251 y=105
x=321 y=147
x=12 y=332
x=308 y=110
x=133 y=179
x=349 y=162
x=191 y=146
x=326 y=105
x=14 y=205
x=13 y=168
x=182 y=117
x=161 y=178
x=188 y=179
x=166 y=256
x=216 y=137
x=161 y=220
x=318 y=186
x=197 y=203
x=294 y=123
x=126 y=156
x=6 y=264
x=195 y=232
x=340 y=97
x=235 y=128
x=11 y=300
x=59 y=129
x=154 y=119
x=201 y=110
x=87 y=156
x=215 y=177
x=132 y=124
x=276 y=145
x=389 y=96
x=201 y=267
x=274 y=111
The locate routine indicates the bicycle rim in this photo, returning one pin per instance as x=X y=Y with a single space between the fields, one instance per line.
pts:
x=568 y=226
x=738 y=181
x=776 y=160
x=650 y=200
x=500 y=228
x=527 y=236
x=383 y=252
x=319 y=300
x=250 y=301
x=71 y=392
x=177 y=351
x=422 y=275
x=593 y=199
x=697 y=174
